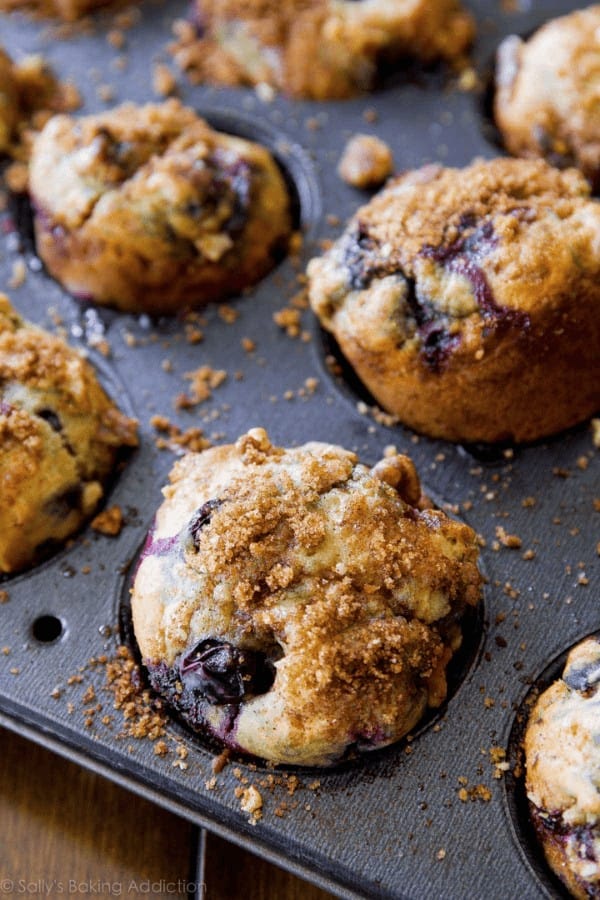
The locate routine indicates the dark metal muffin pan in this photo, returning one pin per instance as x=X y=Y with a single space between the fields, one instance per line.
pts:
x=390 y=824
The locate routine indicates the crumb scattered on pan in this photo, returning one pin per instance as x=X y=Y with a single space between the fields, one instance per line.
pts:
x=228 y=314
x=250 y=802
x=40 y=95
x=366 y=162
x=203 y=381
x=179 y=441
x=512 y=541
x=109 y=522
x=4 y=597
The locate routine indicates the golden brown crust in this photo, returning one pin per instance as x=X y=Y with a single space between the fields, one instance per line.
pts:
x=59 y=435
x=149 y=209
x=547 y=96
x=318 y=48
x=563 y=771
x=9 y=101
x=466 y=299
x=305 y=555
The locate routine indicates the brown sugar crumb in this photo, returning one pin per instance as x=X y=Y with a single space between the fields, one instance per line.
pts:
x=175 y=439
x=116 y=39
x=228 y=314
x=473 y=793
x=582 y=463
x=18 y=274
x=596 y=432
x=467 y=80
x=109 y=522
x=219 y=762
x=366 y=162
x=251 y=802
x=528 y=502
x=4 y=597
x=288 y=320
x=203 y=381
x=529 y=554
x=512 y=541
x=377 y=414
x=248 y=345
x=89 y=694
x=160 y=748
x=141 y=718
x=164 y=83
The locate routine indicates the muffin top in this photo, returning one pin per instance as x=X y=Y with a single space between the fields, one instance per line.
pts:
x=548 y=92
x=449 y=250
x=159 y=165
x=322 y=49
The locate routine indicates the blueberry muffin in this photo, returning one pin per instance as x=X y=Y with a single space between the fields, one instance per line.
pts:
x=67 y=10
x=320 y=49
x=467 y=299
x=296 y=604
x=547 y=99
x=60 y=437
x=562 y=748
x=148 y=209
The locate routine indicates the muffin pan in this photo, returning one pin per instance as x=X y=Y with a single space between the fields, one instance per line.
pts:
x=426 y=817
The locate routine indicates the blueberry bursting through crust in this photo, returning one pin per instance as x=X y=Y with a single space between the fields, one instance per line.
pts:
x=225 y=674
x=466 y=300
x=309 y=608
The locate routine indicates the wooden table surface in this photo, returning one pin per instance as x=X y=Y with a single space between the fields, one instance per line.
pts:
x=66 y=831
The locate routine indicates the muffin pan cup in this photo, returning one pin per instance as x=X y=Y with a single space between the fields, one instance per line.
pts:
x=426 y=817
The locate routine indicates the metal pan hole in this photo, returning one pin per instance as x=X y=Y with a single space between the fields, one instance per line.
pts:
x=47 y=629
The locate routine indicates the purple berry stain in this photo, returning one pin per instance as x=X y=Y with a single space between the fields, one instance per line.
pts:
x=463 y=256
